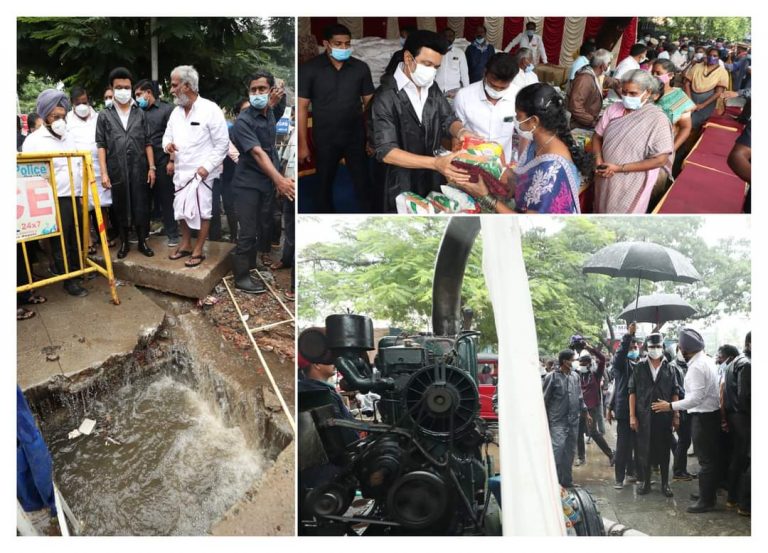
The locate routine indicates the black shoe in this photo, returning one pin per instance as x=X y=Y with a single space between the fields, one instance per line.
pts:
x=694 y=497
x=701 y=507
x=74 y=289
x=243 y=281
x=667 y=491
x=684 y=476
x=143 y=248
x=644 y=488
x=125 y=246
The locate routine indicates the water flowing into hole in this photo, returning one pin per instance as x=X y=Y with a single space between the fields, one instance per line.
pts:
x=175 y=467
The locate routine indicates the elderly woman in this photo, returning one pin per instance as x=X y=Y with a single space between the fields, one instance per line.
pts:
x=547 y=179
x=704 y=83
x=632 y=142
x=675 y=103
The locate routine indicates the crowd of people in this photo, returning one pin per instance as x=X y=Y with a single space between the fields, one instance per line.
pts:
x=662 y=401
x=176 y=165
x=642 y=118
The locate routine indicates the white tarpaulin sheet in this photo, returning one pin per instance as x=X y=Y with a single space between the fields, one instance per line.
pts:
x=530 y=491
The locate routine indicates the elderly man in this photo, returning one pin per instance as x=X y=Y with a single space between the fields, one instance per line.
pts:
x=127 y=161
x=702 y=401
x=52 y=106
x=197 y=140
x=565 y=406
x=585 y=99
x=529 y=39
x=487 y=108
x=257 y=176
x=652 y=378
x=525 y=75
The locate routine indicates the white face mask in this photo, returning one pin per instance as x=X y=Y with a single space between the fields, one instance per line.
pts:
x=59 y=127
x=699 y=56
x=680 y=357
x=423 y=76
x=528 y=135
x=107 y=102
x=493 y=93
x=82 y=110
x=122 y=96
x=655 y=353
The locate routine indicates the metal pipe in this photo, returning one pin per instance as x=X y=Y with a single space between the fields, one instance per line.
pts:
x=613 y=528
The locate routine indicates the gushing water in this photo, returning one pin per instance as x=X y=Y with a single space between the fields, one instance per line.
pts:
x=160 y=462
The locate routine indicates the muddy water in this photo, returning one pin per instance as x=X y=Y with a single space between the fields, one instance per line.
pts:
x=175 y=470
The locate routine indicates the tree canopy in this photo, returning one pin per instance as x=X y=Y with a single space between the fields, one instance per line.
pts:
x=383 y=268
x=729 y=28
x=83 y=50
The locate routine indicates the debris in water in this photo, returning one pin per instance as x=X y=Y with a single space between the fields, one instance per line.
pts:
x=246 y=316
x=207 y=301
x=87 y=426
x=111 y=440
x=51 y=353
x=51 y=356
x=74 y=434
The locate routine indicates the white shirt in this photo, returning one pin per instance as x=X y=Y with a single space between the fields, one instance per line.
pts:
x=627 y=64
x=201 y=139
x=523 y=79
x=43 y=141
x=663 y=55
x=367 y=400
x=654 y=371
x=83 y=132
x=417 y=95
x=453 y=72
x=702 y=389
x=678 y=59
x=536 y=44
x=481 y=116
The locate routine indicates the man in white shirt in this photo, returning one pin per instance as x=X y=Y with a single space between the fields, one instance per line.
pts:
x=197 y=140
x=453 y=72
x=702 y=401
x=487 y=107
x=529 y=39
x=630 y=63
x=676 y=56
x=52 y=107
x=526 y=74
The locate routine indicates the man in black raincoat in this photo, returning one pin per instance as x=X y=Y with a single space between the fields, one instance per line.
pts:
x=127 y=160
x=410 y=118
x=653 y=379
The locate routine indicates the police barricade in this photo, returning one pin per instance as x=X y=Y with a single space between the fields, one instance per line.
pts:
x=38 y=216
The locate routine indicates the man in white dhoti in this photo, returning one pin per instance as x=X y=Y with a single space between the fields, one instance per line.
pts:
x=197 y=140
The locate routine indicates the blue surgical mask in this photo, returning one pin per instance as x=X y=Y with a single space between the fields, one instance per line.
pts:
x=632 y=102
x=634 y=354
x=259 y=101
x=529 y=68
x=341 y=54
x=529 y=33
x=480 y=40
x=402 y=42
x=142 y=101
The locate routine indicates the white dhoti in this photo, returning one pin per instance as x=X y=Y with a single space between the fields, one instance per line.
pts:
x=193 y=202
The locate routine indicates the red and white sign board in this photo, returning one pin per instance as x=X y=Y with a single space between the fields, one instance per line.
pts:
x=35 y=201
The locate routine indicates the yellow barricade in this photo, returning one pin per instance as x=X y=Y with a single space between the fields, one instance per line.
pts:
x=38 y=217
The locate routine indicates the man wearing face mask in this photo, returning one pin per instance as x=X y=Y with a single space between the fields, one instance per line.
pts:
x=591 y=376
x=565 y=405
x=529 y=39
x=157 y=114
x=651 y=379
x=623 y=364
x=397 y=57
x=478 y=54
x=585 y=100
x=52 y=107
x=484 y=106
x=631 y=62
x=339 y=88
x=109 y=97
x=256 y=178
x=702 y=401
x=452 y=73
x=525 y=75
x=736 y=412
x=410 y=118
x=127 y=161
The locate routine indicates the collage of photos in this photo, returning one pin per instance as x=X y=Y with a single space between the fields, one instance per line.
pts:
x=282 y=276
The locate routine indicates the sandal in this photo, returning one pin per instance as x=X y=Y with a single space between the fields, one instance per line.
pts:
x=35 y=300
x=289 y=296
x=22 y=314
x=279 y=265
x=191 y=261
x=266 y=261
x=178 y=254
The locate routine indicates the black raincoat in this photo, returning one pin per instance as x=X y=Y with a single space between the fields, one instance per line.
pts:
x=127 y=164
x=396 y=125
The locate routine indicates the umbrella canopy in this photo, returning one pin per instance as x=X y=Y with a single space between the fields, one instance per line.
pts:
x=644 y=260
x=658 y=308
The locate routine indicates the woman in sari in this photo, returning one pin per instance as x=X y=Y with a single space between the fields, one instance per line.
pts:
x=675 y=103
x=632 y=142
x=704 y=83
x=547 y=179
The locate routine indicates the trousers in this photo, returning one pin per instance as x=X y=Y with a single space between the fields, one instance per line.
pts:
x=625 y=447
x=739 y=426
x=680 y=465
x=328 y=154
x=705 y=429
x=564 y=449
x=249 y=204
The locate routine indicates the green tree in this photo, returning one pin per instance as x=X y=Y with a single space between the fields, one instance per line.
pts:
x=30 y=89
x=730 y=28
x=83 y=50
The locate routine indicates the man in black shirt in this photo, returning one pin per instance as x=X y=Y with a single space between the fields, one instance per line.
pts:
x=736 y=412
x=157 y=113
x=339 y=88
x=256 y=175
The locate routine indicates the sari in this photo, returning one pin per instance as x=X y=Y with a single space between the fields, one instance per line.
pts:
x=704 y=81
x=546 y=184
x=675 y=104
x=628 y=138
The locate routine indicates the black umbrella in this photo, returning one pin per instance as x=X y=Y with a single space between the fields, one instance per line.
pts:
x=658 y=308
x=644 y=260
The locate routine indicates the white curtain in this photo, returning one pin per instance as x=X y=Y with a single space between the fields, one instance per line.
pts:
x=426 y=23
x=354 y=24
x=531 y=503
x=573 y=36
x=457 y=24
x=393 y=28
x=495 y=31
